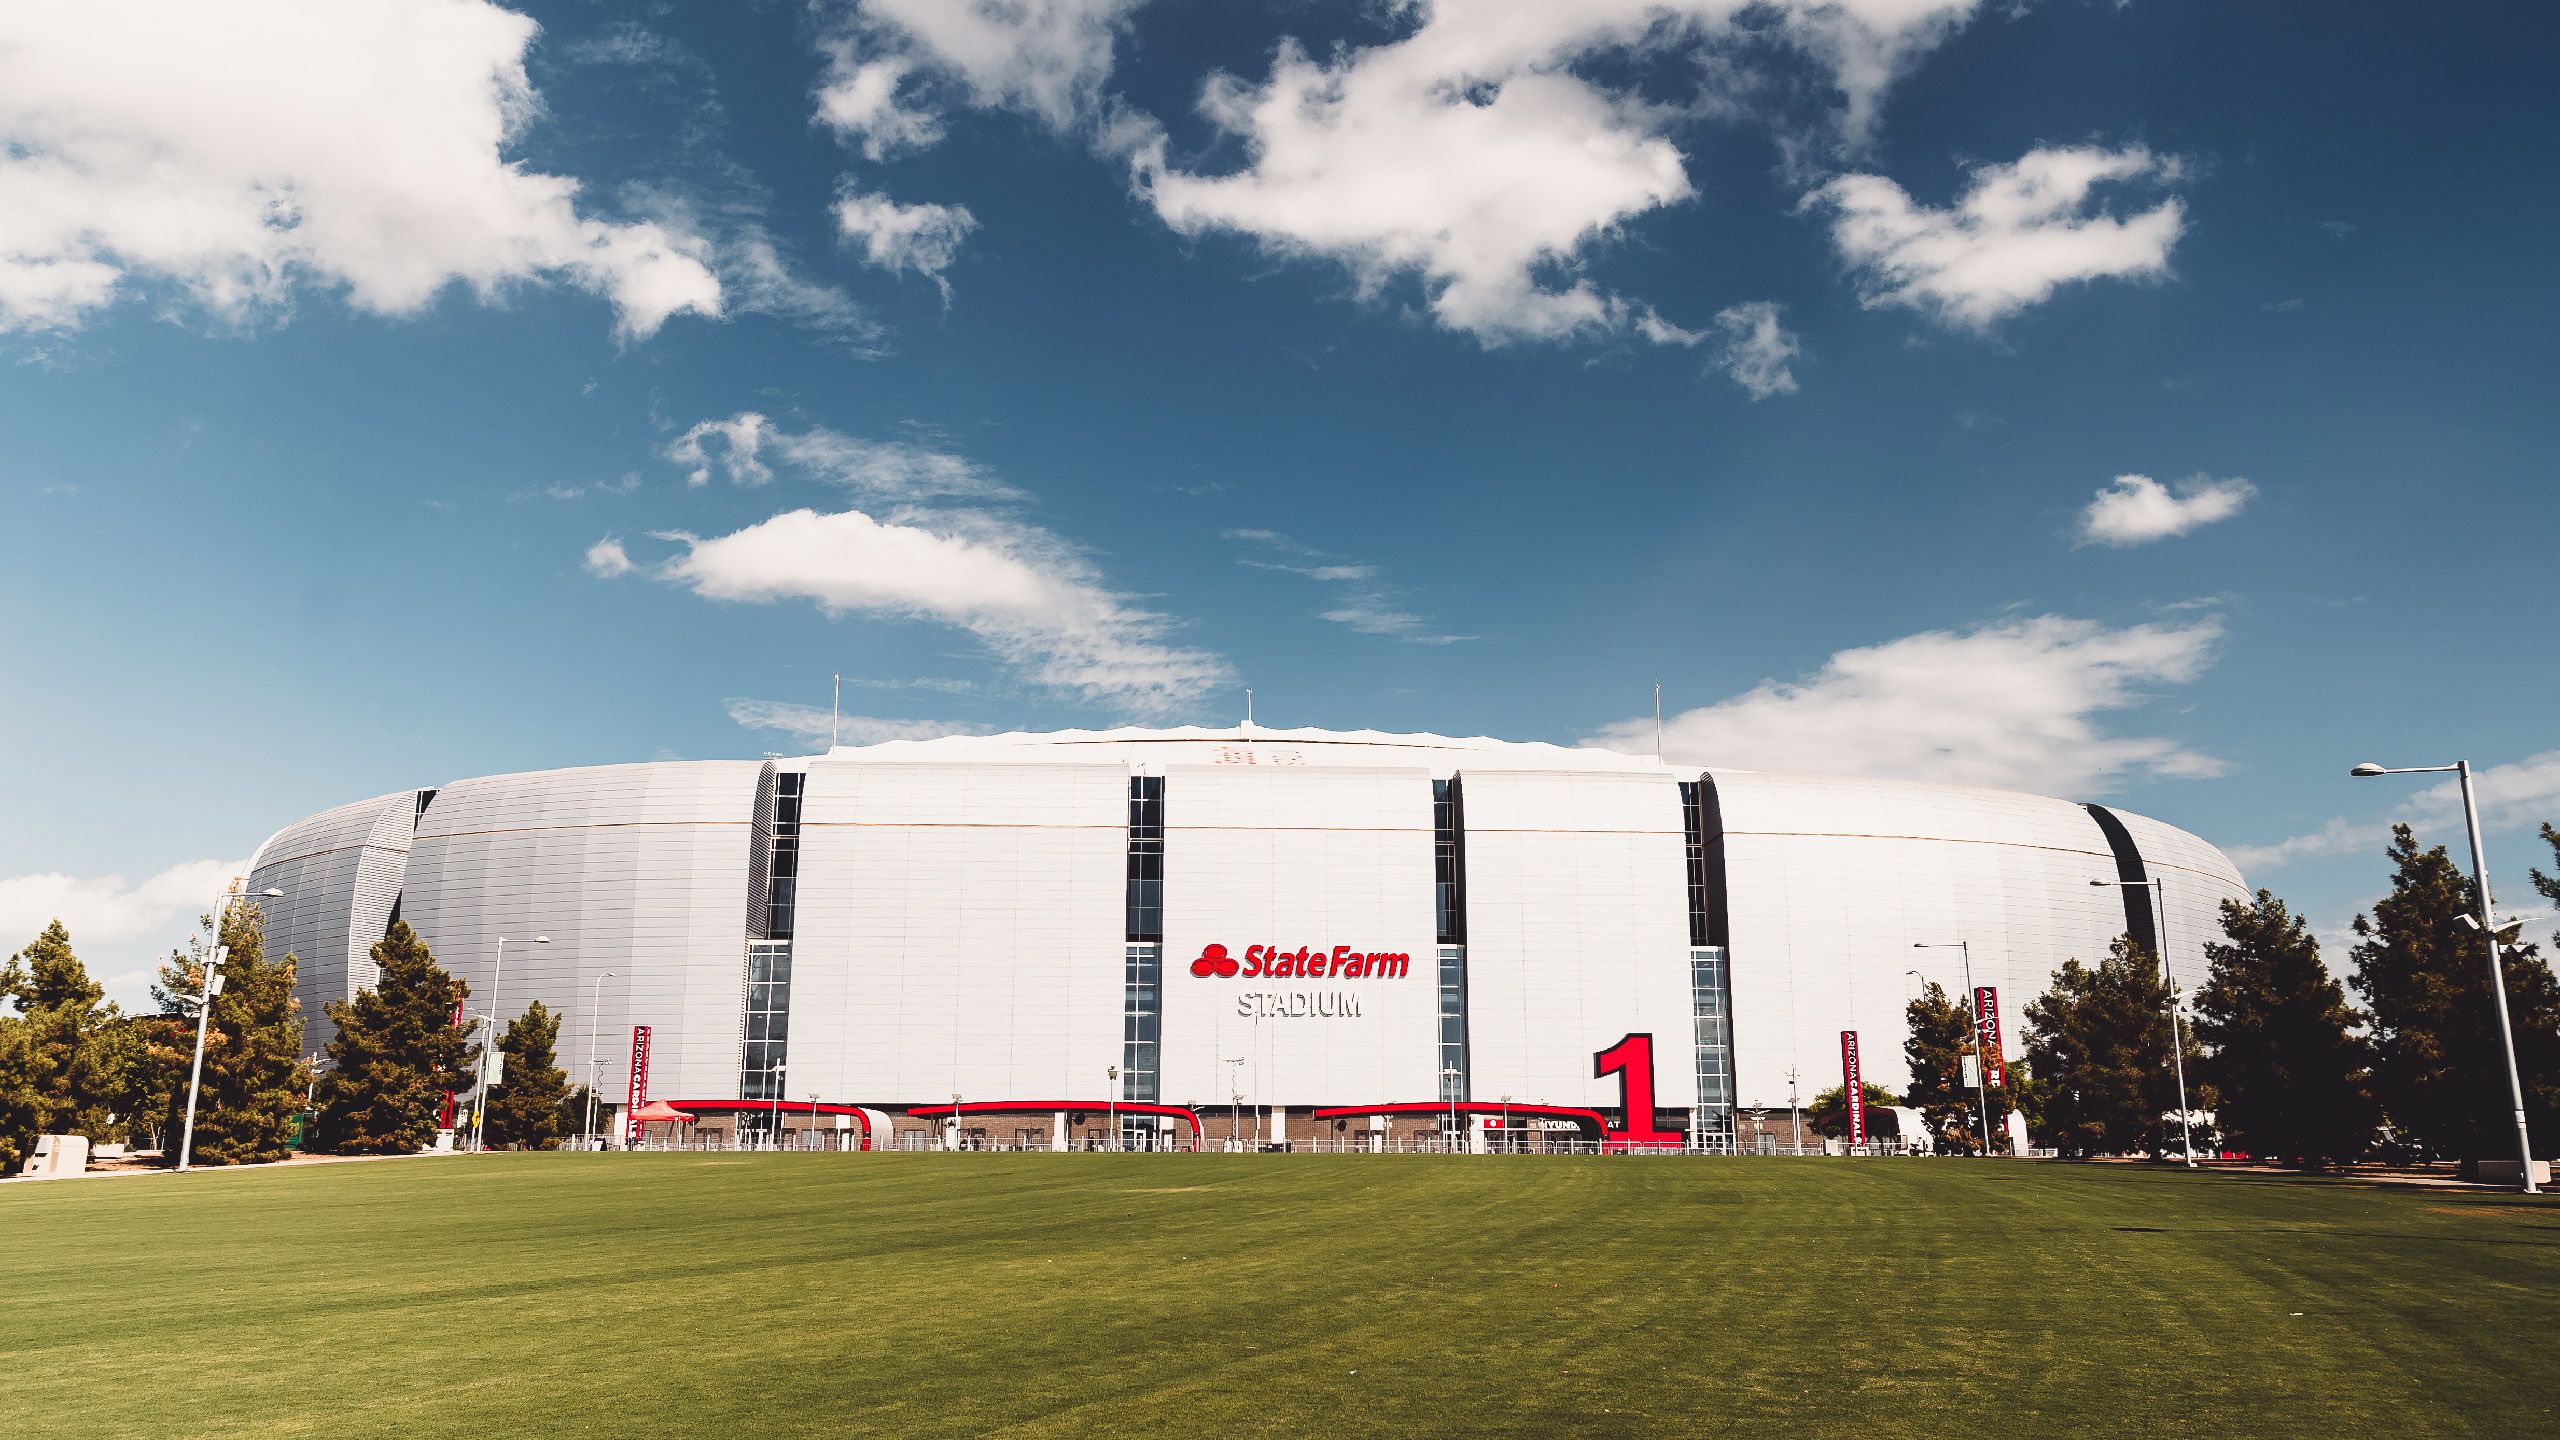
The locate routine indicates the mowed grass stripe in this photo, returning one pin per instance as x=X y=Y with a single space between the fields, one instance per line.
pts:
x=568 y=1295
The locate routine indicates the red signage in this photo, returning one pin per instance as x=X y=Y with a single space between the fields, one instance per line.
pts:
x=1631 y=1060
x=1307 y=962
x=1852 y=1087
x=639 y=1079
x=1986 y=1010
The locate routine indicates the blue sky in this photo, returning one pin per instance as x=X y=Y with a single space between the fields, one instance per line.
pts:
x=1456 y=367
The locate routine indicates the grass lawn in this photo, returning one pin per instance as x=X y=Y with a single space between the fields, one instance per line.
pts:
x=565 y=1295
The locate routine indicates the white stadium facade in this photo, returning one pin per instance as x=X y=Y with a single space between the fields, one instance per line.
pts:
x=1298 y=934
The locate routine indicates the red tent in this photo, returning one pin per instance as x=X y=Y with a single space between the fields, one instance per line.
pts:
x=657 y=1110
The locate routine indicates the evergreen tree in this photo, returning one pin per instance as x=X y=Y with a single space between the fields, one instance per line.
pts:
x=2549 y=885
x=2289 y=1075
x=1940 y=1036
x=525 y=1112
x=66 y=1057
x=573 y=1111
x=1827 y=1114
x=21 y=1107
x=2099 y=1041
x=2439 y=1066
x=254 y=1074
x=396 y=1054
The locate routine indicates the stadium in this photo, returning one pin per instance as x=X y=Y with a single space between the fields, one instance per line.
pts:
x=1224 y=936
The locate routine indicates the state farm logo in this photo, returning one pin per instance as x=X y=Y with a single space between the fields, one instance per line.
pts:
x=1307 y=962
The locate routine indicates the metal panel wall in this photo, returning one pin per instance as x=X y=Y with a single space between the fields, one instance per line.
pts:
x=340 y=872
x=2195 y=880
x=637 y=869
x=1577 y=932
x=959 y=931
x=1833 y=879
x=1291 y=857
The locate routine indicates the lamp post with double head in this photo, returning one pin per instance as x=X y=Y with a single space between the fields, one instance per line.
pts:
x=775 y=1123
x=595 y=1061
x=2169 y=982
x=1111 y=1101
x=489 y=1043
x=211 y=987
x=2489 y=926
x=1973 y=1042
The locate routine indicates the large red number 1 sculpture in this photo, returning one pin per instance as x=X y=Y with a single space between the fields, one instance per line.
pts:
x=1631 y=1060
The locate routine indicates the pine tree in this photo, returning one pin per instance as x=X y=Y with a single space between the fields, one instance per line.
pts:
x=21 y=1107
x=1941 y=1035
x=396 y=1054
x=254 y=1074
x=2099 y=1042
x=1827 y=1114
x=525 y=1112
x=66 y=1055
x=2289 y=1074
x=2549 y=885
x=2439 y=1067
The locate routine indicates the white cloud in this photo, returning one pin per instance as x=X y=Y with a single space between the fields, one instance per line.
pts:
x=1757 y=349
x=1472 y=155
x=607 y=560
x=2016 y=705
x=1362 y=604
x=2020 y=232
x=859 y=101
x=249 y=149
x=2137 y=509
x=735 y=445
x=746 y=446
x=2512 y=797
x=899 y=238
x=1043 y=58
x=1028 y=596
x=815 y=725
x=106 y=909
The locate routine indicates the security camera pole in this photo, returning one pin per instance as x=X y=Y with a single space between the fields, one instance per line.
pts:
x=1981 y=1087
x=2488 y=924
x=204 y=1014
x=489 y=1045
x=2169 y=978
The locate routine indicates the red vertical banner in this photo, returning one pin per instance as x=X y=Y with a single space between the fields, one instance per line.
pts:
x=1853 y=1087
x=444 y=1113
x=639 y=1081
x=1986 y=1011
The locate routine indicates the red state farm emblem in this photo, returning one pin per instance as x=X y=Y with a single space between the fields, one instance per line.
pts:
x=1214 y=961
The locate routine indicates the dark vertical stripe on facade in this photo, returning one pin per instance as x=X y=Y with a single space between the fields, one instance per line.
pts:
x=1711 y=830
x=760 y=854
x=2137 y=901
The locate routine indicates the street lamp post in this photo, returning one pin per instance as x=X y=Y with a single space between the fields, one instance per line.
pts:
x=1449 y=1078
x=595 y=1062
x=204 y=1016
x=2488 y=923
x=776 y=1121
x=1981 y=1087
x=813 y=1116
x=952 y=1141
x=2169 y=981
x=1111 y=1101
x=489 y=1042
x=1235 y=1102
